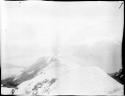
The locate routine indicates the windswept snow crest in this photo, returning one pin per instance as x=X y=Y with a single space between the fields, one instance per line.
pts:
x=59 y=78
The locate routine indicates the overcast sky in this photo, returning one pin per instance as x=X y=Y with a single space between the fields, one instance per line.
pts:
x=33 y=28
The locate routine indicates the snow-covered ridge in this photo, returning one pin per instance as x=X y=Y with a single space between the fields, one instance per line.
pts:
x=58 y=78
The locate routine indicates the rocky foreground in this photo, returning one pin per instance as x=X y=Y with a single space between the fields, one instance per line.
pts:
x=49 y=76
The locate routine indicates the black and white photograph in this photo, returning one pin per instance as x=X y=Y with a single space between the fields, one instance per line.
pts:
x=61 y=47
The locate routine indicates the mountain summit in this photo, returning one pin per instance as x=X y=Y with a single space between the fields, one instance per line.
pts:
x=50 y=76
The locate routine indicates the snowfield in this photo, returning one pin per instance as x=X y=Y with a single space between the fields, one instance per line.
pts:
x=59 y=78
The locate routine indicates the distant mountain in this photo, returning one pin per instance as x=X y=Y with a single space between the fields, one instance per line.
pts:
x=9 y=82
x=119 y=76
x=27 y=74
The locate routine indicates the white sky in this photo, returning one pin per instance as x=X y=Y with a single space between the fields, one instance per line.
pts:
x=32 y=28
